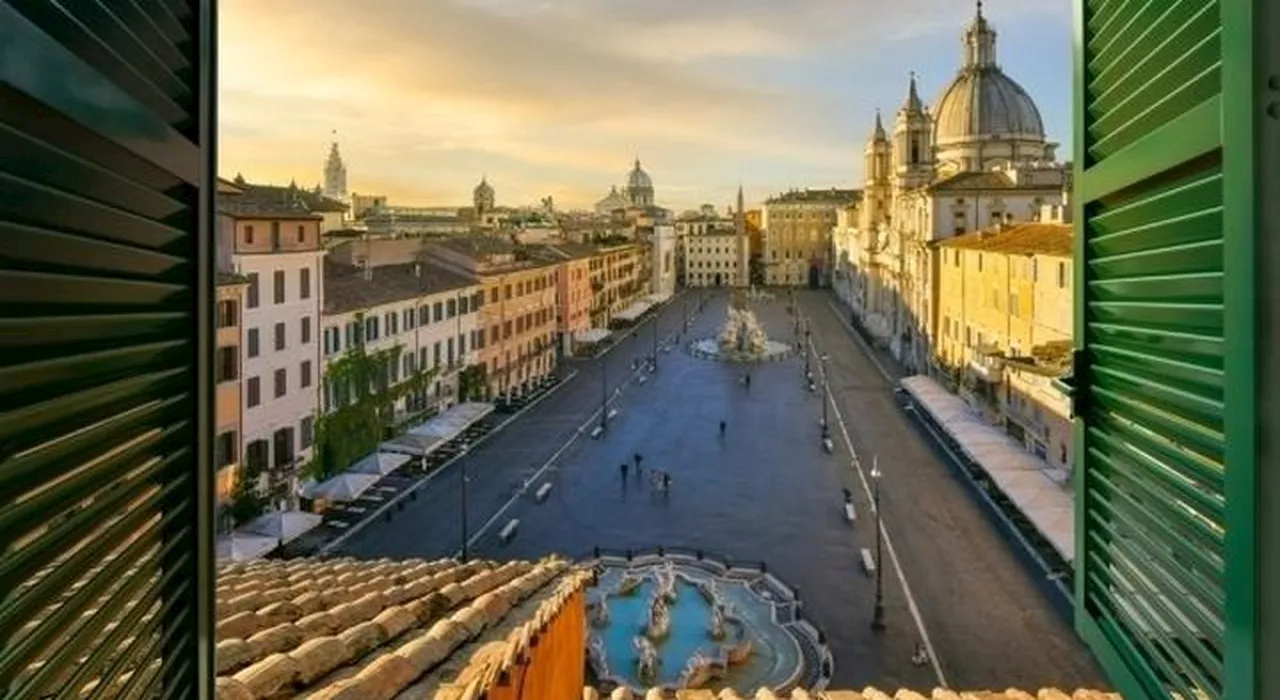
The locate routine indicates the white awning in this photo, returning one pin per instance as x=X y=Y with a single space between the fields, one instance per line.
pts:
x=1022 y=477
x=243 y=547
x=343 y=487
x=591 y=335
x=285 y=526
x=427 y=437
x=380 y=463
x=632 y=312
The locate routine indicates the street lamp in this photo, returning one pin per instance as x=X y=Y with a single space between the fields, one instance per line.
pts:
x=877 y=619
x=604 y=393
x=826 y=395
x=462 y=509
x=655 y=339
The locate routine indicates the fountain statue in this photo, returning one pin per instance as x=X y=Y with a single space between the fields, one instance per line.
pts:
x=659 y=618
x=742 y=338
x=666 y=579
x=646 y=659
x=629 y=583
x=717 y=621
x=598 y=612
x=597 y=656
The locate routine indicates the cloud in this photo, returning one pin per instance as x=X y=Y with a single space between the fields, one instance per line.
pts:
x=427 y=95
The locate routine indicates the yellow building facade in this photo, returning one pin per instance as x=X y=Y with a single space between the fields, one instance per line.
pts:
x=1004 y=300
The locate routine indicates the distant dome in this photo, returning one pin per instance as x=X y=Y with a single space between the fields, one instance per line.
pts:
x=983 y=103
x=484 y=187
x=638 y=179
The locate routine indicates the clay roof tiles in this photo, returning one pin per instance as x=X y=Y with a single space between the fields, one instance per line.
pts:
x=334 y=629
x=1017 y=239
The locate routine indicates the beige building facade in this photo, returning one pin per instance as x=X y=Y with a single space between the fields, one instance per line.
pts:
x=797 y=227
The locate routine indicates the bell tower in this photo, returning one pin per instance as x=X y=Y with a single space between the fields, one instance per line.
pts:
x=912 y=142
x=878 y=188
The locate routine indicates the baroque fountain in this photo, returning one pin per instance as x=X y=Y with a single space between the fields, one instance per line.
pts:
x=742 y=338
x=676 y=622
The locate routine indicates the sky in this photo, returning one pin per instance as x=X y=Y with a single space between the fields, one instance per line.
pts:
x=558 y=97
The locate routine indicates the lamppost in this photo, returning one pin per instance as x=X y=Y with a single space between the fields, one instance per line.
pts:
x=826 y=396
x=655 y=339
x=604 y=393
x=806 y=350
x=877 y=619
x=462 y=509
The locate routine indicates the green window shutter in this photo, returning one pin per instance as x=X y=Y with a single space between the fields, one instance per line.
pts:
x=1164 y=326
x=106 y=302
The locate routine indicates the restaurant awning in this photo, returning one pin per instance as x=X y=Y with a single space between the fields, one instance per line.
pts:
x=428 y=437
x=631 y=313
x=591 y=335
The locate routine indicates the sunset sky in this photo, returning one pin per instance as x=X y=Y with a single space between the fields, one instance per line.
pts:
x=559 y=96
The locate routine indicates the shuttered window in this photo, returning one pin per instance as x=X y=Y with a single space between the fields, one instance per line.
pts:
x=106 y=348
x=1164 y=322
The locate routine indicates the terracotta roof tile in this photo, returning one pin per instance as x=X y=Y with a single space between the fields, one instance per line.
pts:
x=344 y=629
x=1018 y=239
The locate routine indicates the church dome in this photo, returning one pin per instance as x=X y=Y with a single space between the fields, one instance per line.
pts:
x=638 y=179
x=982 y=103
x=484 y=188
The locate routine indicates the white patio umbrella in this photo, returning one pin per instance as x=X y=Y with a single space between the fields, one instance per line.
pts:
x=244 y=546
x=285 y=526
x=380 y=463
x=343 y=487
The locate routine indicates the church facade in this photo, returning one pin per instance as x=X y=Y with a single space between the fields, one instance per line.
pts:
x=976 y=158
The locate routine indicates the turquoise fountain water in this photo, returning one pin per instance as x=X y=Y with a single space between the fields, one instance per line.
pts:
x=775 y=658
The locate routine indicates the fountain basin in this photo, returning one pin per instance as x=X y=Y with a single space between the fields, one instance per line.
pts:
x=761 y=644
x=711 y=349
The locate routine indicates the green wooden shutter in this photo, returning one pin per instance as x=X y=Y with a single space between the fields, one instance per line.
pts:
x=106 y=211
x=1164 y=324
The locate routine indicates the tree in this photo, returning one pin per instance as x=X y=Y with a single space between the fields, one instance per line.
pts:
x=247 y=502
x=364 y=399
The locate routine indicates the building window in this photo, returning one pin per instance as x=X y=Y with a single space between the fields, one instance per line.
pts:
x=462 y=304
x=227 y=316
x=450 y=352
x=506 y=292
x=437 y=312
x=436 y=352
x=279 y=336
x=281 y=383
x=407 y=318
x=278 y=284
x=1062 y=275
x=228 y=364
x=307 y=432
x=306 y=373
x=253 y=342
x=304 y=283
x=251 y=299
x=302 y=233
x=306 y=330
x=256 y=455
x=451 y=308
x=224 y=449
x=332 y=340
x=392 y=322
x=493 y=295
x=275 y=235
x=252 y=392
x=248 y=235
x=282 y=442
x=424 y=315
x=371 y=329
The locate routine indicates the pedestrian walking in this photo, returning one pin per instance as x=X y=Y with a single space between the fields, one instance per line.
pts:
x=623 y=468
